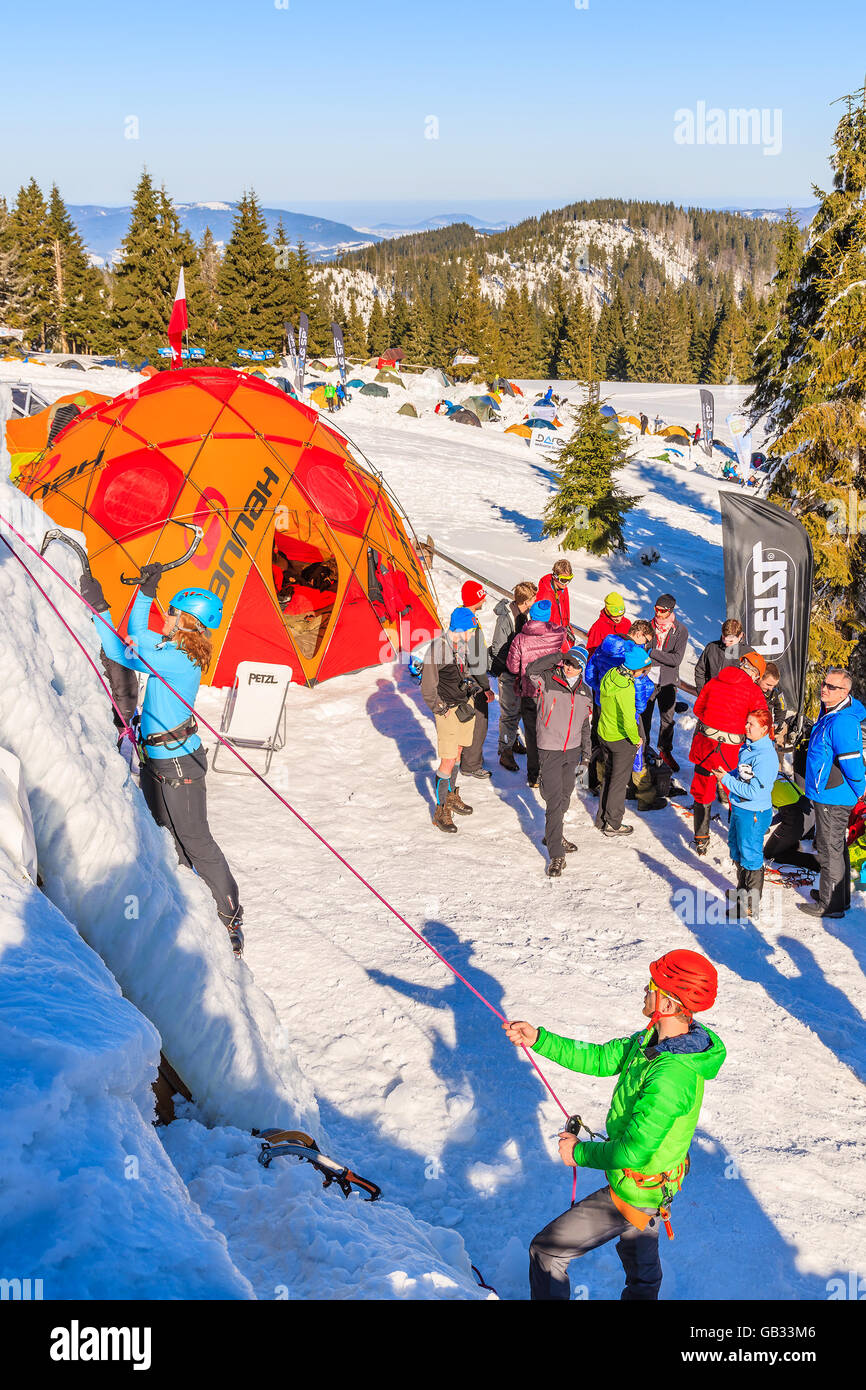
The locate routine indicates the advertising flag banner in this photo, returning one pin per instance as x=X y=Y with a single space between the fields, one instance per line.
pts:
x=768 y=586
x=303 y=334
x=339 y=350
x=708 y=420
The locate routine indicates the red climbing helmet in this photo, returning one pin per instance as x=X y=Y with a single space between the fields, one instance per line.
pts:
x=687 y=977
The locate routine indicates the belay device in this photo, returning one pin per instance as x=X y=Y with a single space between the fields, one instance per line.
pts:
x=293 y=1143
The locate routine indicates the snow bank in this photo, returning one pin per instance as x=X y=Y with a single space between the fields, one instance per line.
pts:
x=89 y=1203
x=114 y=873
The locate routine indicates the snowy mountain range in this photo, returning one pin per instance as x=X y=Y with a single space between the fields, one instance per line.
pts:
x=803 y=215
x=103 y=228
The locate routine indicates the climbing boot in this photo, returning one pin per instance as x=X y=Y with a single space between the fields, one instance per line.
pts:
x=456 y=803
x=555 y=868
x=702 y=844
x=443 y=819
x=508 y=760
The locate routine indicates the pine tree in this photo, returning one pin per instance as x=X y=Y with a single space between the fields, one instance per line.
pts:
x=203 y=305
x=30 y=230
x=355 y=330
x=399 y=321
x=79 y=290
x=773 y=348
x=145 y=280
x=246 y=285
x=419 y=339
x=377 y=330
x=470 y=325
x=321 y=316
x=12 y=287
x=817 y=421
x=575 y=353
x=588 y=509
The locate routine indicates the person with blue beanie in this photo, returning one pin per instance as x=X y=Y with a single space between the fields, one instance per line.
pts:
x=750 y=788
x=173 y=761
x=449 y=686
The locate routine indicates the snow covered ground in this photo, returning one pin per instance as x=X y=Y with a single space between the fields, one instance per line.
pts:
x=414 y=1083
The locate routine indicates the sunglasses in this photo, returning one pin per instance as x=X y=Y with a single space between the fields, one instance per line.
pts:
x=563 y=578
x=825 y=685
x=654 y=989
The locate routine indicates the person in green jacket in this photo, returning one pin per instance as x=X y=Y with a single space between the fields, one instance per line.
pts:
x=653 y=1113
x=620 y=736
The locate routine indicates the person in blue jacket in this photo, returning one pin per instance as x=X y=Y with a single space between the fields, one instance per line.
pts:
x=835 y=781
x=603 y=659
x=173 y=761
x=750 y=789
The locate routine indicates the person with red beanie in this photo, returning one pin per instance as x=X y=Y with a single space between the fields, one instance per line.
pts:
x=721 y=711
x=656 y=1104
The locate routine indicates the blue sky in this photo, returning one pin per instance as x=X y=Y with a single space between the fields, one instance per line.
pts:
x=324 y=106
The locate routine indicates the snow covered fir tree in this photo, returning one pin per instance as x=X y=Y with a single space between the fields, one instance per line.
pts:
x=588 y=508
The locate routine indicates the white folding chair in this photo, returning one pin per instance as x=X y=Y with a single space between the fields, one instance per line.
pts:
x=254 y=714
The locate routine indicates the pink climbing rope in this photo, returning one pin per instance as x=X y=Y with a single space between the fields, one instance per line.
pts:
x=305 y=823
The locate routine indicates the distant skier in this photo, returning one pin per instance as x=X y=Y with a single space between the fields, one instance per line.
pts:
x=654 y=1111
x=173 y=761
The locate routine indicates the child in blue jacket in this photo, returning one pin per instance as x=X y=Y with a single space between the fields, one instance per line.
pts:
x=751 y=792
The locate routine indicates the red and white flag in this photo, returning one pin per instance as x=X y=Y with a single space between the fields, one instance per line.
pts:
x=178 y=323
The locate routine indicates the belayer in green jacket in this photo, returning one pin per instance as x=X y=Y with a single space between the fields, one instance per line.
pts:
x=653 y=1114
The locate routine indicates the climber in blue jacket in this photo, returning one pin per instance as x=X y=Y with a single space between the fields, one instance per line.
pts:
x=173 y=761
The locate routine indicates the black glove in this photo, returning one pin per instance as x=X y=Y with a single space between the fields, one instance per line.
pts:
x=149 y=578
x=91 y=591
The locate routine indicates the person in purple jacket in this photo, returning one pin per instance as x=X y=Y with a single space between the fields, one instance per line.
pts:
x=538 y=637
x=564 y=709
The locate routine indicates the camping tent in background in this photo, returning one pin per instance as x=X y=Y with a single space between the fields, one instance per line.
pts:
x=374 y=389
x=436 y=375
x=464 y=417
x=607 y=410
x=356 y=383
x=407 y=408
x=482 y=406
x=392 y=355
x=540 y=422
x=676 y=432
x=29 y=436
x=149 y=370
x=318 y=366
x=725 y=449
x=311 y=385
x=71 y=365
x=538 y=411
x=523 y=430
x=391 y=378
x=318 y=395
x=510 y=388
x=26 y=400
x=284 y=384
x=257 y=471
x=629 y=420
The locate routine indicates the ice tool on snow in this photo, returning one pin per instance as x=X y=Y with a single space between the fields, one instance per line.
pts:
x=293 y=1143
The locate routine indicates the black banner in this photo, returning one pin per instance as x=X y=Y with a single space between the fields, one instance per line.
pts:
x=708 y=420
x=303 y=333
x=293 y=351
x=768 y=586
x=339 y=350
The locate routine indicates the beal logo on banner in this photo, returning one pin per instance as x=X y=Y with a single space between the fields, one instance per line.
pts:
x=771 y=583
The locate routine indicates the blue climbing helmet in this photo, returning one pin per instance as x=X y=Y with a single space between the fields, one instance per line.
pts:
x=199 y=603
x=637 y=658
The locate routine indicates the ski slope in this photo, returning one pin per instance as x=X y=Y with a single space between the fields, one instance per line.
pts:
x=412 y=1080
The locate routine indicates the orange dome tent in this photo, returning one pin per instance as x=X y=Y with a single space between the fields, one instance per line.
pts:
x=262 y=475
x=28 y=436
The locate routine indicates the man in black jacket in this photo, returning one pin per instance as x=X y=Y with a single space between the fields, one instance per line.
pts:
x=722 y=651
x=670 y=638
x=510 y=617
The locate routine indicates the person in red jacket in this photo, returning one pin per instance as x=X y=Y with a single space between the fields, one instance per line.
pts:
x=554 y=588
x=611 y=622
x=721 y=711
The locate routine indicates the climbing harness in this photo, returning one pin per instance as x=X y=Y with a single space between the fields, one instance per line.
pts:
x=670 y=1184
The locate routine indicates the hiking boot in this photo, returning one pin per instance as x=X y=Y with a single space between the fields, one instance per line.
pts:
x=618 y=830
x=507 y=760
x=657 y=805
x=455 y=802
x=817 y=910
x=669 y=760
x=519 y=747
x=443 y=819
x=481 y=772
x=555 y=868
x=566 y=845
x=702 y=844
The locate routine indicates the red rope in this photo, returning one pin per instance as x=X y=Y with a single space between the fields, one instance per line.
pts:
x=359 y=876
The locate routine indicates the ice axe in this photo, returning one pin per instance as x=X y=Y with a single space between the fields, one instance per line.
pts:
x=56 y=534
x=172 y=564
